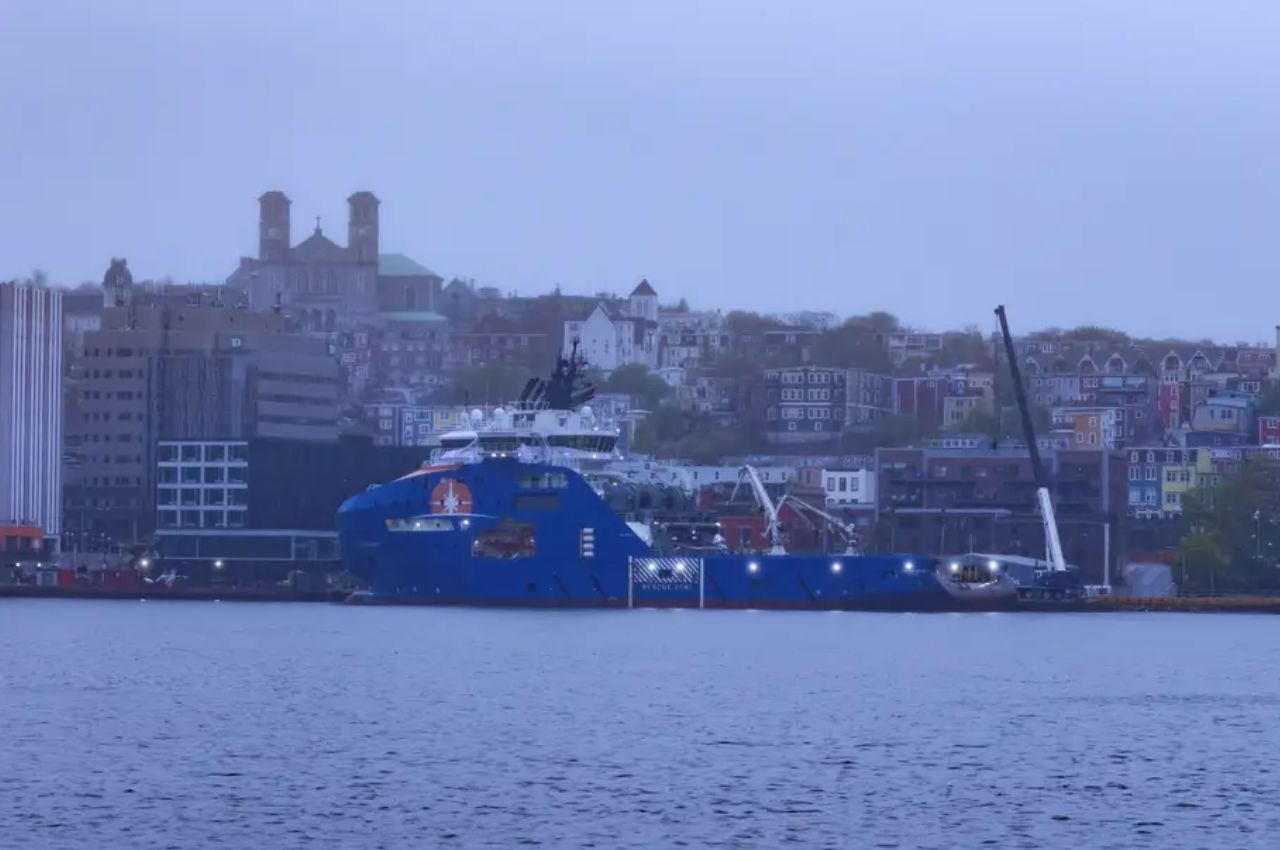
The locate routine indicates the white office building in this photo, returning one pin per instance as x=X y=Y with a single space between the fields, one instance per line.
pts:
x=31 y=409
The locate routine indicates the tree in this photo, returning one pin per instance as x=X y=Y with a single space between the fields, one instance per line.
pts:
x=739 y=322
x=638 y=382
x=1232 y=540
x=490 y=384
x=1269 y=401
x=856 y=344
x=967 y=348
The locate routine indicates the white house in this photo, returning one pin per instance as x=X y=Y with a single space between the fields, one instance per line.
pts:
x=849 y=487
x=610 y=338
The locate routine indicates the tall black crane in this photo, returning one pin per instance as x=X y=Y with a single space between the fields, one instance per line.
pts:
x=1053 y=544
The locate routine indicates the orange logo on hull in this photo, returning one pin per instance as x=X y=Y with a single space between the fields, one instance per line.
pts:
x=450 y=496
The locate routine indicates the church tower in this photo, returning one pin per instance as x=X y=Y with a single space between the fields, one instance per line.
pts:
x=362 y=227
x=273 y=227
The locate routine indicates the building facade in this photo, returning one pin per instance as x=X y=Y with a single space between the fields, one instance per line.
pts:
x=805 y=403
x=203 y=373
x=31 y=404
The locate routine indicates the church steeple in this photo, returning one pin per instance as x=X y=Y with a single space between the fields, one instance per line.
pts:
x=362 y=227
x=273 y=227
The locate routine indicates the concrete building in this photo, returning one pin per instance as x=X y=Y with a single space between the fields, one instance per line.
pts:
x=31 y=410
x=203 y=373
x=261 y=510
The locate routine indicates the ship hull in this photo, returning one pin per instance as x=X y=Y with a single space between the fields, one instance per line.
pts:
x=504 y=533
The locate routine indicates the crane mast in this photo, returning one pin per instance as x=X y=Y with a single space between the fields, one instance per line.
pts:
x=1053 y=543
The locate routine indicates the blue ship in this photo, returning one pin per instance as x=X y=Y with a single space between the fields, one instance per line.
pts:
x=521 y=509
x=503 y=531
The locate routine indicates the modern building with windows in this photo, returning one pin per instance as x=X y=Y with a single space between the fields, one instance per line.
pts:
x=197 y=373
x=254 y=511
x=31 y=411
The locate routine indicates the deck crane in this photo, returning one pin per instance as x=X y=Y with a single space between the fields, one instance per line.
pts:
x=774 y=530
x=844 y=529
x=1053 y=544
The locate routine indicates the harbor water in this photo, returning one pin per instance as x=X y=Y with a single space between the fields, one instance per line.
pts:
x=201 y=725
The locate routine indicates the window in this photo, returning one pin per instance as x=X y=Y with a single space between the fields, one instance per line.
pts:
x=844 y=485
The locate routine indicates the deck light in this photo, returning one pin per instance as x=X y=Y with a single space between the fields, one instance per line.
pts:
x=955 y=568
x=217 y=565
x=679 y=566
x=835 y=566
x=753 y=567
x=993 y=566
x=908 y=566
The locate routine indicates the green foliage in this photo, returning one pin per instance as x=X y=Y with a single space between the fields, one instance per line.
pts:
x=490 y=384
x=856 y=344
x=743 y=321
x=965 y=348
x=670 y=432
x=1233 y=538
x=1269 y=401
x=639 y=383
x=895 y=431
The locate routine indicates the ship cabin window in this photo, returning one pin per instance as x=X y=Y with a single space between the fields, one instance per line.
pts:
x=456 y=442
x=505 y=541
x=422 y=524
x=548 y=481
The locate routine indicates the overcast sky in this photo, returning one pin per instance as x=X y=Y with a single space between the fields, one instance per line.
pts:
x=1111 y=162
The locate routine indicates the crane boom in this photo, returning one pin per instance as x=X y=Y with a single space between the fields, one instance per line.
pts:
x=1052 y=542
x=847 y=531
x=774 y=529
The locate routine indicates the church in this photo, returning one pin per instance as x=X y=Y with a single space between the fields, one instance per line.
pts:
x=326 y=287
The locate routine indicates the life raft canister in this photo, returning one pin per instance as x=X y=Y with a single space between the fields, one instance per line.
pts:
x=450 y=496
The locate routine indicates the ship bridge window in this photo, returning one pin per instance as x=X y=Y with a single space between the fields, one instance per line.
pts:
x=583 y=442
x=500 y=444
x=506 y=541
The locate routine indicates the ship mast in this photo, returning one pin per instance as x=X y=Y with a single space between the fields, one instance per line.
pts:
x=1053 y=544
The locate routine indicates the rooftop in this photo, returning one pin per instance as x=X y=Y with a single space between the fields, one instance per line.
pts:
x=400 y=265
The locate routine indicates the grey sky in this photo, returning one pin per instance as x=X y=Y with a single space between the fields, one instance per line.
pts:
x=1083 y=161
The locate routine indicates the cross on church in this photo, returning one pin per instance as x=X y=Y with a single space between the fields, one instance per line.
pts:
x=317 y=224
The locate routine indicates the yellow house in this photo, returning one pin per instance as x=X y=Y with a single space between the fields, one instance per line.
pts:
x=1177 y=478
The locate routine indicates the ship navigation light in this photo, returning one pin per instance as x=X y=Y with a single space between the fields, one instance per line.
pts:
x=753 y=567
x=908 y=566
x=836 y=567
